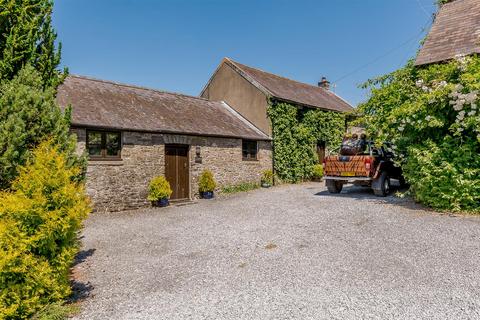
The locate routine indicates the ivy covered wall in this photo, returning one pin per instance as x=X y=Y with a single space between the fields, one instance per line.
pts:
x=296 y=132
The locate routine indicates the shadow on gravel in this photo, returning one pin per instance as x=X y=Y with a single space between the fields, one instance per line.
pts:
x=80 y=288
x=365 y=193
x=82 y=256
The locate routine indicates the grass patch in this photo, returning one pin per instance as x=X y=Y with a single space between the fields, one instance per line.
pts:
x=242 y=187
x=57 y=311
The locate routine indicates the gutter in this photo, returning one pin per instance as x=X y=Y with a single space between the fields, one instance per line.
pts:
x=196 y=134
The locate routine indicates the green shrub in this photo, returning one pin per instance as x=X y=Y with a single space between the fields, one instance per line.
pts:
x=445 y=176
x=56 y=311
x=242 y=187
x=39 y=221
x=159 y=188
x=317 y=171
x=442 y=2
x=267 y=177
x=206 y=183
x=432 y=116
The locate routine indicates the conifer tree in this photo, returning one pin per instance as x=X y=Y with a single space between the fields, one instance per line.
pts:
x=27 y=36
x=28 y=115
x=42 y=208
x=28 y=81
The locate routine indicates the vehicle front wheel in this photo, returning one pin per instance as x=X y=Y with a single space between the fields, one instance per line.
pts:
x=334 y=186
x=381 y=185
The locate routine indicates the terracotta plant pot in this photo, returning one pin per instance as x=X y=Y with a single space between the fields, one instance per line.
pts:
x=161 y=203
x=206 y=195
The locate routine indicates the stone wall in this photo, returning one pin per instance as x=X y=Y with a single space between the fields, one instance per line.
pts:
x=122 y=184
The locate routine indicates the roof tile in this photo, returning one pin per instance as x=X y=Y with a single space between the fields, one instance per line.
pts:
x=455 y=31
x=291 y=91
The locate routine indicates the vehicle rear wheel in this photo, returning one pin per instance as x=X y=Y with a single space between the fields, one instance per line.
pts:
x=334 y=186
x=381 y=185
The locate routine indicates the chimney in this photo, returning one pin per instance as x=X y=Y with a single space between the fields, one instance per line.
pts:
x=324 y=83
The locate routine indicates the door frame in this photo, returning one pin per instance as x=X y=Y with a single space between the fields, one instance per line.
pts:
x=187 y=147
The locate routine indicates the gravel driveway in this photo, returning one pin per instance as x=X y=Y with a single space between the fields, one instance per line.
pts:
x=291 y=252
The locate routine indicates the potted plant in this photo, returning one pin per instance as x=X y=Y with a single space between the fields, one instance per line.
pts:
x=159 y=191
x=206 y=184
x=267 y=179
x=317 y=173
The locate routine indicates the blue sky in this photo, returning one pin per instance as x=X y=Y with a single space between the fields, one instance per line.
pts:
x=175 y=45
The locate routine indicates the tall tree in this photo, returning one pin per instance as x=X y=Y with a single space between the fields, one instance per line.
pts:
x=27 y=37
x=28 y=80
x=28 y=115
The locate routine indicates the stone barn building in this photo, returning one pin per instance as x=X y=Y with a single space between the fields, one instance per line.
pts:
x=132 y=134
x=249 y=91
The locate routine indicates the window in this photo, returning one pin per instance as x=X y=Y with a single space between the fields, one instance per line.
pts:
x=249 y=150
x=103 y=145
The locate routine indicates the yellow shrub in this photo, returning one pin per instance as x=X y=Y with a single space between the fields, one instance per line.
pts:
x=206 y=183
x=39 y=221
x=317 y=171
x=159 y=188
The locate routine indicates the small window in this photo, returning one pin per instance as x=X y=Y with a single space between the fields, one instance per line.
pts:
x=102 y=145
x=249 y=150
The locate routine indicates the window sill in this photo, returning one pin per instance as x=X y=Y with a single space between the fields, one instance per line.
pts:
x=106 y=162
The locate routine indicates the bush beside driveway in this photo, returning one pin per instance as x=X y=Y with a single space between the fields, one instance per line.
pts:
x=282 y=253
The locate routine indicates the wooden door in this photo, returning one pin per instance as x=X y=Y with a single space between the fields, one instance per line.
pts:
x=177 y=170
x=321 y=151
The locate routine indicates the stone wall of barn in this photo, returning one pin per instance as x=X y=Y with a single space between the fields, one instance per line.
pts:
x=122 y=184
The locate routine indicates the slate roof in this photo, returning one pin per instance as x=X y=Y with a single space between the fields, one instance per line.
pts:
x=455 y=31
x=288 y=90
x=104 y=104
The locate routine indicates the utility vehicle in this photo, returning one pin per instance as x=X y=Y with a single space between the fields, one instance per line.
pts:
x=373 y=167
